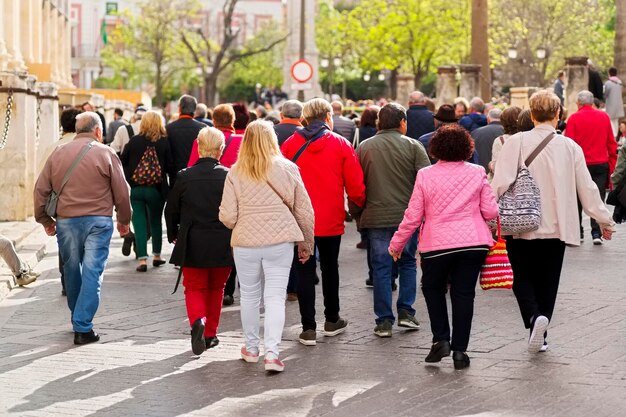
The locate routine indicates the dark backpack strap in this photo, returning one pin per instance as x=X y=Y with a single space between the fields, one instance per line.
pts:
x=539 y=148
x=307 y=143
x=230 y=139
x=130 y=131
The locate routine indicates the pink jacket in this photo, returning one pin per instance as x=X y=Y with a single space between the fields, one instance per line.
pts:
x=229 y=157
x=453 y=199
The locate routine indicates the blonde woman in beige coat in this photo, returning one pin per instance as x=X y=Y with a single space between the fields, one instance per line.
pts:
x=268 y=209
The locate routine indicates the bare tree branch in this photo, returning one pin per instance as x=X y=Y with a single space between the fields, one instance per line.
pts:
x=239 y=56
x=194 y=53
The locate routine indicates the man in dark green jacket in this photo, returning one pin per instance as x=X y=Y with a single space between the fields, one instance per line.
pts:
x=390 y=162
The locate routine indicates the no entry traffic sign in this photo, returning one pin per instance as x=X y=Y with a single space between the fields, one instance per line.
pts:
x=301 y=71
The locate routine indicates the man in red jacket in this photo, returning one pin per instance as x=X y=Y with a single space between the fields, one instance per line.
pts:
x=329 y=166
x=591 y=129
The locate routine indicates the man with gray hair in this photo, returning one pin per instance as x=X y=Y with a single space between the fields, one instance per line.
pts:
x=475 y=117
x=290 y=117
x=591 y=129
x=342 y=125
x=484 y=137
x=419 y=119
x=88 y=178
x=182 y=133
x=201 y=114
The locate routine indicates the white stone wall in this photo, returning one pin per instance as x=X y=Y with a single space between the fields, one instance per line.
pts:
x=47 y=47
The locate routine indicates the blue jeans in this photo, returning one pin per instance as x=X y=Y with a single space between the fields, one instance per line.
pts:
x=84 y=246
x=382 y=265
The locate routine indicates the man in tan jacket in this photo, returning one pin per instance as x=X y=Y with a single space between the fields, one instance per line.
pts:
x=83 y=222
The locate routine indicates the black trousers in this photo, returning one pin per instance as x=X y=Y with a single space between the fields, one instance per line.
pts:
x=328 y=247
x=462 y=269
x=599 y=175
x=536 y=267
x=230 y=284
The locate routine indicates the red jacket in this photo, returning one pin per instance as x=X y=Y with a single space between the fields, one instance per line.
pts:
x=591 y=129
x=328 y=166
x=229 y=157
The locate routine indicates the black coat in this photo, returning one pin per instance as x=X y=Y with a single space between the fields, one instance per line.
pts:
x=181 y=135
x=483 y=142
x=192 y=217
x=133 y=152
x=284 y=131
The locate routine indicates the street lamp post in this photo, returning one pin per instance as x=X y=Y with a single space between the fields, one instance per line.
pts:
x=541 y=53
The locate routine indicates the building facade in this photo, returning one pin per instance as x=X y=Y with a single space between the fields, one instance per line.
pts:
x=34 y=63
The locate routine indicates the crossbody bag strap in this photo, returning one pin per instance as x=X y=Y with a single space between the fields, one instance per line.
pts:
x=280 y=195
x=230 y=139
x=539 y=148
x=79 y=158
x=307 y=143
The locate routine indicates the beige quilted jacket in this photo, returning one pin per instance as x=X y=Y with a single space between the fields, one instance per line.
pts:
x=259 y=217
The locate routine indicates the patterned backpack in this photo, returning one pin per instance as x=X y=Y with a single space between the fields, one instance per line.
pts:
x=520 y=205
x=148 y=171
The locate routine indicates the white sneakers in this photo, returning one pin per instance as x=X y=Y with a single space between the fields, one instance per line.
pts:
x=535 y=341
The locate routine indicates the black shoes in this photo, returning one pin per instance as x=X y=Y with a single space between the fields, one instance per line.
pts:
x=228 y=300
x=129 y=240
x=85 y=338
x=438 y=350
x=198 y=345
x=461 y=360
x=370 y=283
x=211 y=341
x=142 y=268
x=158 y=262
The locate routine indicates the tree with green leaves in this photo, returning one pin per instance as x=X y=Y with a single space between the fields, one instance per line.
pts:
x=574 y=28
x=148 y=45
x=620 y=36
x=412 y=35
x=264 y=68
x=213 y=59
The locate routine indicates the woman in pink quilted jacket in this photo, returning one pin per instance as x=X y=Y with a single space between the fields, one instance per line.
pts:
x=267 y=207
x=451 y=202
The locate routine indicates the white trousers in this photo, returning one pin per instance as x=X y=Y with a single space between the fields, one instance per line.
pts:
x=273 y=263
x=615 y=126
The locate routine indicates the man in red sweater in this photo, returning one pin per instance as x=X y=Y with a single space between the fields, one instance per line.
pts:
x=591 y=129
x=329 y=167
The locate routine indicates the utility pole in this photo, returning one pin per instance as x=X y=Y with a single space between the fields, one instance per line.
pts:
x=302 y=42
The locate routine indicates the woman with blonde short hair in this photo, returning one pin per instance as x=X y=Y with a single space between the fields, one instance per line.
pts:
x=147 y=161
x=268 y=209
x=561 y=174
x=202 y=242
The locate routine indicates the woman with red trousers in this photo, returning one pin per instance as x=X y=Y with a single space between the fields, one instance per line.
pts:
x=202 y=242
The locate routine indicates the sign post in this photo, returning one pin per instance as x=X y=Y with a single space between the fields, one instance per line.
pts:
x=301 y=72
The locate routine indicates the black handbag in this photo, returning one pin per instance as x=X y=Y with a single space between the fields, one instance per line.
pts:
x=617 y=196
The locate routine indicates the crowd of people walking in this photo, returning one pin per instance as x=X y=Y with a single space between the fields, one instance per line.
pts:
x=263 y=203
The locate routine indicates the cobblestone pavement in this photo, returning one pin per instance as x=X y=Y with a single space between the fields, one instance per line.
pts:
x=143 y=365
